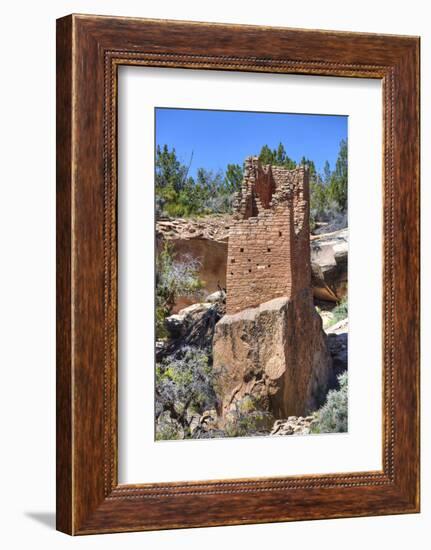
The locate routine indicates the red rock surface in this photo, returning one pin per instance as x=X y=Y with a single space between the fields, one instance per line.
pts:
x=275 y=353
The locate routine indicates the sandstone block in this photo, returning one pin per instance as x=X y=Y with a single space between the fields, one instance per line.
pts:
x=275 y=353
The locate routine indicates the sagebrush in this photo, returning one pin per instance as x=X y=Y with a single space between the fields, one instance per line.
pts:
x=332 y=417
x=174 y=278
x=184 y=385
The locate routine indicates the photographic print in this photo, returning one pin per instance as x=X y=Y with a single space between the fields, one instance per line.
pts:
x=209 y=261
x=251 y=244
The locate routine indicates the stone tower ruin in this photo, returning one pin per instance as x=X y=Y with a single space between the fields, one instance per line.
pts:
x=270 y=345
x=269 y=244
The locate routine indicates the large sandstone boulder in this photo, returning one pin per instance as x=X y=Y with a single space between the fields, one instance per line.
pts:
x=276 y=353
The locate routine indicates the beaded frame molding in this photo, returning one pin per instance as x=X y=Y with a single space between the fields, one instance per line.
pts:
x=89 y=51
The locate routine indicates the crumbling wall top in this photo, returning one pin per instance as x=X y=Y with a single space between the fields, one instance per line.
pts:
x=264 y=187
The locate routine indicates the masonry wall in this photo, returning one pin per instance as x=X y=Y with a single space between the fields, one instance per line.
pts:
x=268 y=247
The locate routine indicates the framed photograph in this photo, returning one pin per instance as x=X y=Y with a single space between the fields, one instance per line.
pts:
x=237 y=274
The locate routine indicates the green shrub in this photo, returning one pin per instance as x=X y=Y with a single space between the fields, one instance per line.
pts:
x=184 y=383
x=254 y=423
x=340 y=312
x=173 y=278
x=168 y=429
x=332 y=417
x=180 y=195
x=247 y=419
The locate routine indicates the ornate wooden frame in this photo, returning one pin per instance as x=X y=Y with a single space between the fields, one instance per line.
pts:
x=89 y=51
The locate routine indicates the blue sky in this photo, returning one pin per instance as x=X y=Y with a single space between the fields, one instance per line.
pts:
x=218 y=138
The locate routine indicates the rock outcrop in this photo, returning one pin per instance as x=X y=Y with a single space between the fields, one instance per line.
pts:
x=294 y=425
x=193 y=325
x=212 y=228
x=329 y=254
x=338 y=347
x=276 y=353
x=204 y=239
